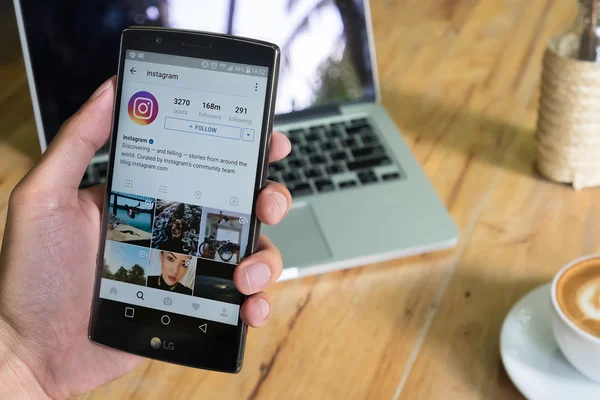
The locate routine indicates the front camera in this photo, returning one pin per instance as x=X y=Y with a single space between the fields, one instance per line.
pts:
x=158 y=40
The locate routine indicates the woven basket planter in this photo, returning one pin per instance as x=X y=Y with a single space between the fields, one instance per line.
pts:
x=568 y=130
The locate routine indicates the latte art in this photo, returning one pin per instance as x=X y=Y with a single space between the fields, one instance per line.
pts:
x=588 y=299
x=578 y=295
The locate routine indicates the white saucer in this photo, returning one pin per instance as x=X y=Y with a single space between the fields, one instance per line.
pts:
x=532 y=357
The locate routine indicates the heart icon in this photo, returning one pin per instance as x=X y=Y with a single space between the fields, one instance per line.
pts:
x=195 y=306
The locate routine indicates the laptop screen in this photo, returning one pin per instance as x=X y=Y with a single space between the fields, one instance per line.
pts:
x=74 y=45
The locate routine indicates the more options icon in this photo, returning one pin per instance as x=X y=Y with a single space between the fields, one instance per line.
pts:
x=248 y=135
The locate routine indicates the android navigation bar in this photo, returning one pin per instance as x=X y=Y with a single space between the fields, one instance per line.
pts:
x=214 y=65
x=176 y=303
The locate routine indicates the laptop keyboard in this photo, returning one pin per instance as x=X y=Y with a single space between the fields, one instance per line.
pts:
x=336 y=156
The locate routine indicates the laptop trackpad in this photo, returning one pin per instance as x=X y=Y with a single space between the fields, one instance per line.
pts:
x=299 y=238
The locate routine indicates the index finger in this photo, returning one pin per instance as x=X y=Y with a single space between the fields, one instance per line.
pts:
x=280 y=147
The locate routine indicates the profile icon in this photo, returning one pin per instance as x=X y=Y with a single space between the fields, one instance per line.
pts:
x=143 y=108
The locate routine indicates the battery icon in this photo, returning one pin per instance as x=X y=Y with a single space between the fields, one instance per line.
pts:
x=247 y=70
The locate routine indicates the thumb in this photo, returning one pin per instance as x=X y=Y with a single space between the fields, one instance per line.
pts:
x=66 y=159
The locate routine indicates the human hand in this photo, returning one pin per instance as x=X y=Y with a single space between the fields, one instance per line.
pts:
x=48 y=264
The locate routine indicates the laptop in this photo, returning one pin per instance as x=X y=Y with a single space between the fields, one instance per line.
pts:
x=360 y=197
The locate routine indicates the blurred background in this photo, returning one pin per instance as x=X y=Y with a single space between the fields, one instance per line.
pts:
x=77 y=46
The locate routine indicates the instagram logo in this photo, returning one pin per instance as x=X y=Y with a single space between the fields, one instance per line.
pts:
x=143 y=108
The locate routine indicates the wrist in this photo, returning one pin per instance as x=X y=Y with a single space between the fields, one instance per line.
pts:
x=17 y=380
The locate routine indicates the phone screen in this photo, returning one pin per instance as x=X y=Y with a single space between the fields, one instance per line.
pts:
x=186 y=153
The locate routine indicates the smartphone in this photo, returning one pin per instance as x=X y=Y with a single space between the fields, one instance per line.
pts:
x=188 y=156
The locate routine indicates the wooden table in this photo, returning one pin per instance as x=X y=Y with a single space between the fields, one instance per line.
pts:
x=460 y=78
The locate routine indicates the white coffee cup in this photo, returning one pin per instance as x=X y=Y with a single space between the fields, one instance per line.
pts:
x=581 y=348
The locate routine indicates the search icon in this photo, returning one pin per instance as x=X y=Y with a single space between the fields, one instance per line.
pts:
x=140 y=295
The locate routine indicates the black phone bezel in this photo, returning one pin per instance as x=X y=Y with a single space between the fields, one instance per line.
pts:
x=189 y=350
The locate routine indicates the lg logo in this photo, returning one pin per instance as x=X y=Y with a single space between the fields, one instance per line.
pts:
x=156 y=343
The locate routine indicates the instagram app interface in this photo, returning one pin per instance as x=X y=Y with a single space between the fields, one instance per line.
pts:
x=185 y=165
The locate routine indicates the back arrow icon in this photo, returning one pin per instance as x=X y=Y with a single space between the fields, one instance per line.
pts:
x=203 y=327
x=132 y=70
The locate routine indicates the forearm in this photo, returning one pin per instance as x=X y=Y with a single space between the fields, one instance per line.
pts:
x=17 y=381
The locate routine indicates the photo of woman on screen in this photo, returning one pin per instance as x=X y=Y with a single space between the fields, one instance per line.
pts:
x=172 y=272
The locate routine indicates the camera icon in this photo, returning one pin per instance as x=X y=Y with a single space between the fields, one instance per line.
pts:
x=143 y=108
x=168 y=301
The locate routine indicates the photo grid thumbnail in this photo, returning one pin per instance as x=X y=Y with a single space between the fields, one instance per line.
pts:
x=130 y=219
x=215 y=288
x=172 y=272
x=225 y=235
x=177 y=227
x=125 y=263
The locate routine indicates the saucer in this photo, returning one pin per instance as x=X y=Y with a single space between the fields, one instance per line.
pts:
x=531 y=355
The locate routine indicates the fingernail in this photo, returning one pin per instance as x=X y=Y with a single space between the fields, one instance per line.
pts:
x=102 y=89
x=279 y=204
x=263 y=308
x=289 y=143
x=257 y=275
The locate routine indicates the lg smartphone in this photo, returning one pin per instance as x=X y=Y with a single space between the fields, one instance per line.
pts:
x=188 y=157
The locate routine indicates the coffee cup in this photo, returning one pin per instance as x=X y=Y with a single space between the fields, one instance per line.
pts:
x=576 y=319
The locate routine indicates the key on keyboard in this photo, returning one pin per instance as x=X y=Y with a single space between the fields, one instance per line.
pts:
x=313 y=173
x=347 y=184
x=329 y=146
x=312 y=137
x=297 y=163
x=301 y=189
x=324 y=185
x=315 y=160
x=368 y=163
x=291 y=177
x=367 y=151
x=367 y=177
x=334 y=169
x=339 y=156
x=391 y=176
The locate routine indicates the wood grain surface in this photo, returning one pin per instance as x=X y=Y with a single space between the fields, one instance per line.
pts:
x=461 y=80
